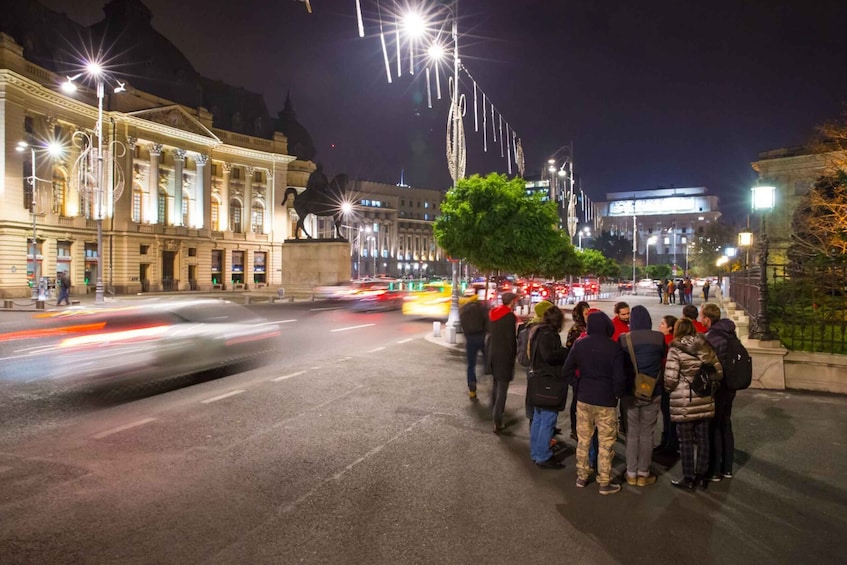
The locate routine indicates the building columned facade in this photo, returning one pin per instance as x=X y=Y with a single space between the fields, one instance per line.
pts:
x=390 y=231
x=663 y=219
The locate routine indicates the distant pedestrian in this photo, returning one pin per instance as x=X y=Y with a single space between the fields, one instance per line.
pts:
x=64 y=289
x=661 y=288
x=706 y=288
x=689 y=290
x=671 y=292
x=474 y=321
x=680 y=288
x=599 y=360
x=691 y=412
x=722 y=438
x=502 y=348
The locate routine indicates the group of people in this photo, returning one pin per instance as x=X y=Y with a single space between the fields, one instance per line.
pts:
x=601 y=359
x=668 y=290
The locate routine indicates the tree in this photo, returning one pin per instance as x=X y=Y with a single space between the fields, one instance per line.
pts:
x=615 y=247
x=661 y=271
x=563 y=260
x=595 y=263
x=494 y=224
x=708 y=246
x=819 y=224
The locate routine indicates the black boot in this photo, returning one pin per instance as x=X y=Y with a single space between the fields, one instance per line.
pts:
x=684 y=484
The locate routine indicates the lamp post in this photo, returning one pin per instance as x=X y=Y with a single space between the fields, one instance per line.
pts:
x=763 y=202
x=745 y=240
x=95 y=71
x=650 y=241
x=53 y=149
x=584 y=232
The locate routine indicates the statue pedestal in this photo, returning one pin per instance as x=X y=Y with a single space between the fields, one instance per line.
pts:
x=307 y=263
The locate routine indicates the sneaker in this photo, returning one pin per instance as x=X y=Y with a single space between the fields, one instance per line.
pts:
x=580 y=483
x=551 y=463
x=714 y=478
x=472 y=394
x=646 y=481
x=684 y=484
x=553 y=442
x=727 y=475
x=610 y=488
x=632 y=481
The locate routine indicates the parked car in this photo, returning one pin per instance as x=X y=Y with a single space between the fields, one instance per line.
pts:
x=144 y=341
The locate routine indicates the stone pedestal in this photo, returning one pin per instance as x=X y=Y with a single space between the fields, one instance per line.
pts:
x=768 y=363
x=307 y=263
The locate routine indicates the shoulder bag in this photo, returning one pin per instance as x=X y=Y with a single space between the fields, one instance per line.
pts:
x=546 y=389
x=644 y=384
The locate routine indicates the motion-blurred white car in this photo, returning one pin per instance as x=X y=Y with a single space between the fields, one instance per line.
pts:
x=137 y=342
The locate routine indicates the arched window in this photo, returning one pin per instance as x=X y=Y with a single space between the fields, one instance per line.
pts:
x=257 y=218
x=60 y=187
x=235 y=216
x=137 y=198
x=216 y=213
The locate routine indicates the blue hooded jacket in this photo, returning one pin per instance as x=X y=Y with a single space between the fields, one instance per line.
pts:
x=600 y=364
x=649 y=346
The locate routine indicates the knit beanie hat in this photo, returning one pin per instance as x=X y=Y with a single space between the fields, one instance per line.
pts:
x=542 y=307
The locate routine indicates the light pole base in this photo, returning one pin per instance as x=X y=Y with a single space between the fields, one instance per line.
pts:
x=98 y=293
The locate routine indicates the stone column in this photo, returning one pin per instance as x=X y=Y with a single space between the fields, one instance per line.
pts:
x=202 y=194
x=152 y=201
x=223 y=217
x=179 y=165
x=248 y=199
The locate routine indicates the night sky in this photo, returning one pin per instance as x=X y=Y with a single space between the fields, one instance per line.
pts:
x=653 y=93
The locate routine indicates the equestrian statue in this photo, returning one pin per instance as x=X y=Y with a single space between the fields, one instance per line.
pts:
x=322 y=197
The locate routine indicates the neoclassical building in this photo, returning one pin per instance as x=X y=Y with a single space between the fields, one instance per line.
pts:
x=194 y=170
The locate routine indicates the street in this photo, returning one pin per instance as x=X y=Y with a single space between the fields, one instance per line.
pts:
x=358 y=444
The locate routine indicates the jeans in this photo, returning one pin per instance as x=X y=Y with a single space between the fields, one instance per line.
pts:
x=499 y=391
x=64 y=295
x=602 y=419
x=540 y=434
x=722 y=450
x=474 y=344
x=641 y=422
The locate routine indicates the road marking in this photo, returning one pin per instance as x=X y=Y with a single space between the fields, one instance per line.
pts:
x=407 y=340
x=352 y=328
x=345 y=359
x=283 y=377
x=131 y=425
x=327 y=308
x=375 y=350
x=222 y=396
x=282 y=322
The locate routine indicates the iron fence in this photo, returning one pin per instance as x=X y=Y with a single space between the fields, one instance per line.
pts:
x=807 y=307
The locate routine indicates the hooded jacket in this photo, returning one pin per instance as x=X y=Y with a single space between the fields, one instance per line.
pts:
x=600 y=364
x=501 y=346
x=648 y=345
x=685 y=356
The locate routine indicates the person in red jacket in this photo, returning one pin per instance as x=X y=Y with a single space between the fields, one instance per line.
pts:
x=501 y=348
x=621 y=320
x=690 y=311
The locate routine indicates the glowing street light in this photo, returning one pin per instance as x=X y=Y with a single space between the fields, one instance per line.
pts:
x=763 y=200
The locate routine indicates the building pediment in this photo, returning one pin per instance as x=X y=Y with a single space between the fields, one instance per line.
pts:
x=175 y=117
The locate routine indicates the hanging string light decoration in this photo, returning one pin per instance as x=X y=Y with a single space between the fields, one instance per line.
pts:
x=511 y=148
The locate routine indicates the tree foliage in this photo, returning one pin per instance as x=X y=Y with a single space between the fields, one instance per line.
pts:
x=819 y=223
x=709 y=245
x=562 y=261
x=494 y=224
x=595 y=263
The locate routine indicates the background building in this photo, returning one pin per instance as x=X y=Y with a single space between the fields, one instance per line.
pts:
x=670 y=215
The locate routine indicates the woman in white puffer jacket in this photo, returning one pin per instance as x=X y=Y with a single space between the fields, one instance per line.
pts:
x=691 y=413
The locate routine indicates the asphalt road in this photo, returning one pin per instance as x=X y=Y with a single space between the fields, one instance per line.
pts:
x=359 y=445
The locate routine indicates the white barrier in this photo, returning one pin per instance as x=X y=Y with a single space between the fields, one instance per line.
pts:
x=436 y=329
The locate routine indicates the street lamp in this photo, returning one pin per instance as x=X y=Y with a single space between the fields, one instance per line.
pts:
x=94 y=70
x=745 y=240
x=650 y=241
x=54 y=150
x=584 y=232
x=764 y=199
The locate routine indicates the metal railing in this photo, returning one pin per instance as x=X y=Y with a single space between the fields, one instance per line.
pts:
x=807 y=307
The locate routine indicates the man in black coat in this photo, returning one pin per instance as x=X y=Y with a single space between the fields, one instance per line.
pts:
x=474 y=322
x=502 y=349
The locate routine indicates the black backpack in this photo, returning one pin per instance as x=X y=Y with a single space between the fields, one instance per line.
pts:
x=704 y=384
x=523 y=355
x=738 y=368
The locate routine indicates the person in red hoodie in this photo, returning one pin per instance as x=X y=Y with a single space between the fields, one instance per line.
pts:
x=621 y=320
x=501 y=348
x=690 y=311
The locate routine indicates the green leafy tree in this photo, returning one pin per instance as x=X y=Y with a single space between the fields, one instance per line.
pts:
x=494 y=224
x=562 y=262
x=708 y=246
x=597 y=264
x=662 y=272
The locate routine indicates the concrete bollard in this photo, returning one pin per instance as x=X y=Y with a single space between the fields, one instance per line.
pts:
x=451 y=334
x=436 y=329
